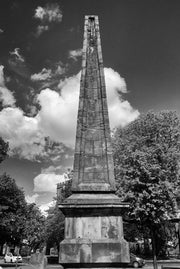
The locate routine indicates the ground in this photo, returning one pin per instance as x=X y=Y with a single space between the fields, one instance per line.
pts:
x=149 y=265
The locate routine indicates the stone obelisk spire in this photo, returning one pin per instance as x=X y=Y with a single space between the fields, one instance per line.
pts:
x=93 y=225
x=93 y=162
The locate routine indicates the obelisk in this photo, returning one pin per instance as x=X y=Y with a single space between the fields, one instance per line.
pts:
x=93 y=222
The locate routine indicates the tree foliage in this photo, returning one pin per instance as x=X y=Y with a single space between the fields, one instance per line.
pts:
x=55 y=218
x=34 y=228
x=13 y=209
x=54 y=227
x=3 y=149
x=18 y=220
x=146 y=157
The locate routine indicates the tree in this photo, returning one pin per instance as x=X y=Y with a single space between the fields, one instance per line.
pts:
x=3 y=154
x=55 y=218
x=13 y=208
x=146 y=156
x=54 y=227
x=12 y=205
x=3 y=149
x=18 y=220
x=34 y=228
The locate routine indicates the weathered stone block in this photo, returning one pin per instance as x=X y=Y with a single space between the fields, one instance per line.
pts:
x=95 y=239
x=93 y=225
x=94 y=252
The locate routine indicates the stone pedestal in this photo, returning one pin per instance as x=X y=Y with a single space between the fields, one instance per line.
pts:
x=93 y=232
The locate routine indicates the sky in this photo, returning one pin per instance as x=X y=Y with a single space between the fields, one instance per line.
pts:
x=40 y=68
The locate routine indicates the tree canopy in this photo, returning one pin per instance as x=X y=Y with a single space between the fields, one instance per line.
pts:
x=3 y=149
x=13 y=209
x=55 y=218
x=34 y=228
x=18 y=220
x=146 y=157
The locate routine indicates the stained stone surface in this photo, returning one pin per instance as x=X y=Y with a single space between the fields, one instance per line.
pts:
x=93 y=223
x=97 y=227
x=93 y=163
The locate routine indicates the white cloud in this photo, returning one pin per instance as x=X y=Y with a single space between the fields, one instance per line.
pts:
x=25 y=137
x=60 y=69
x=44 y=208
x=57 y=119
x=120 y=111
x=41 y=28
x=47 y=75
x=17 y=54
x=6 y=96
x=48 y=182
x=58 y=113
x=31 y=198
x=45 y=186
x=52 y=169
x=22 y=132
x=1 y=31
x=39 y=13
x=43 y=75
x=47 y=15
x=74 y=54
x=114 y=82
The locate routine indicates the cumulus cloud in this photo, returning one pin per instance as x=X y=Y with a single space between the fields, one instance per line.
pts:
x=49 y=73
x=48 y=182
x=17 y=63
x=26 y=139
x=51 y=13
x=31 y=198
x=59 y=69
x=57 y=119
x=120 y=111
x=45 y=186
x=17 y=54
x=22 y=132
x=44 y=208
x=41 y=28
x=55 y=151
x=6 y=96
x=74 y=54
x=52 y=169
x=43 y=75
x=58 y=113
x=49 y=77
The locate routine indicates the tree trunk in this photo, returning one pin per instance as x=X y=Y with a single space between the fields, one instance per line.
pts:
x=154 y=250
x=146 y=247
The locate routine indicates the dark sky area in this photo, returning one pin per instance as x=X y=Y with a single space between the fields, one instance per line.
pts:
x=140 y=40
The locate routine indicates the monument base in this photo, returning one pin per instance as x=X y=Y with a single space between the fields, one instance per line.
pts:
x=93 y=232
x=93 y=252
